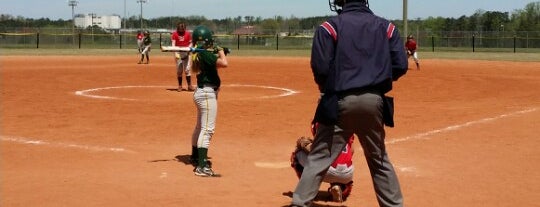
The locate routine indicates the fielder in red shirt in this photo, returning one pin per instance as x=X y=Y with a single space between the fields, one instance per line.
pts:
x=182 y=38
x=411 y=47
x=140 y=37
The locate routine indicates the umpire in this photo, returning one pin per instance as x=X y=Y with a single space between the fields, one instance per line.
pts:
x=356 y=56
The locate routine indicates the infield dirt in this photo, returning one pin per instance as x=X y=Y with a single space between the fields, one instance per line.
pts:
x=466 y=134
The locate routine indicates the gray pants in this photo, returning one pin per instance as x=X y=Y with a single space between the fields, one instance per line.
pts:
x=182 y=64
x=206 y=101
x=359 y=114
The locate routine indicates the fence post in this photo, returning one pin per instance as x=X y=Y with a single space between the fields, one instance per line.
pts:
x=120 y=40
x=514 y=43
x=238 y=42
x=160 y=39
x=432 y=43
x=277 y=41
x=80 y=40
x=473 y=36
x=37 y=40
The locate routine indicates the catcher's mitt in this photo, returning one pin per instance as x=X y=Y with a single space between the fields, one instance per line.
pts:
x=304 y=144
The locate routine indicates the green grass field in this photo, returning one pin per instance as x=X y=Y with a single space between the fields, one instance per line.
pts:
x=496 y=56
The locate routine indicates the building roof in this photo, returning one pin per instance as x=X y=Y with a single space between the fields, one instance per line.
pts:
x=247 y=30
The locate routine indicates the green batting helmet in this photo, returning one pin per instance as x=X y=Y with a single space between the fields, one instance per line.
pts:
x=203 y=36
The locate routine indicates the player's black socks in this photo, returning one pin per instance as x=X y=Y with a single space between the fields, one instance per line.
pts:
x=203 y=156
x=194 y=152
x=179 y=80
x=188 y=79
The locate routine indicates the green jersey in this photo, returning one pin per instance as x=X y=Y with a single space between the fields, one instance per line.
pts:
x=208 y=74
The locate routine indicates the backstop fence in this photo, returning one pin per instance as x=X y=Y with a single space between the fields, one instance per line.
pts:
x=472 y=41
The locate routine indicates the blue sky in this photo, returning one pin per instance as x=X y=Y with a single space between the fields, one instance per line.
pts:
x=220 y=9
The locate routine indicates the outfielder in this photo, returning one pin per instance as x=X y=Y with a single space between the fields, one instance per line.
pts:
x=182 y=38
x=205 y=65
x=339 y=174
x=411 y=47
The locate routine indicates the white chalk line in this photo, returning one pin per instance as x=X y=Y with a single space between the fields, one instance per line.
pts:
x=87 y=92
x=425 y=135
x=28 y=141
x=273 y=165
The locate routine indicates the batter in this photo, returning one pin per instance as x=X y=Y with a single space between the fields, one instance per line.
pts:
x=205 y=65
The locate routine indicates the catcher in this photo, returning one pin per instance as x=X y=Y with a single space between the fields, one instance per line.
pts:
x=339 y=174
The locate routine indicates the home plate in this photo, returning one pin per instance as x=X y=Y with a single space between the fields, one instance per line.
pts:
x=273 y=165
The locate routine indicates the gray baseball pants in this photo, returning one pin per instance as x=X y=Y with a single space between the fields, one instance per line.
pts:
x=361 y=114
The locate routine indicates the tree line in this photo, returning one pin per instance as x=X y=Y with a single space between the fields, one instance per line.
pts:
x=526 y=19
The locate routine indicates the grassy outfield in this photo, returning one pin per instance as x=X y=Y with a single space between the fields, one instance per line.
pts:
x=496 y=56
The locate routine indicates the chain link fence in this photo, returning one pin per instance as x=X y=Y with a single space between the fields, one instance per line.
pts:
x=497 y=41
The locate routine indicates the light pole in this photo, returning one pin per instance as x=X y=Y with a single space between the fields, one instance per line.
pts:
x=92 y=15
x=73 y=4
x=141 y=17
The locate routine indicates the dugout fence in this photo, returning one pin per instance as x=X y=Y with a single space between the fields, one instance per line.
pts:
x=427 y=40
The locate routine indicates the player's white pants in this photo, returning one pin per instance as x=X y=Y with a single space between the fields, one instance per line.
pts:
x=145 y=50
x=140 y=45
x=340 y=174
x=183 y=63
x=415 y=57
x=206 y=101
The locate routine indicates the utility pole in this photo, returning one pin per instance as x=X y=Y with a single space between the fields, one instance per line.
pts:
x=124 y=25
x=73 y=4
x=141 y=17
x=405 y=22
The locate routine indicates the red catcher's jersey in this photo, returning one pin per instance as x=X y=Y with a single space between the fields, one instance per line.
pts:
x=140 y=36
x=181 y=41
x=346 y=155
x=410 y=45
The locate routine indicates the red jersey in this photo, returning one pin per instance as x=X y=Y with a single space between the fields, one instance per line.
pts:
x=411 y=45
x=181 y=40
x=346 y=155
x=140 y=36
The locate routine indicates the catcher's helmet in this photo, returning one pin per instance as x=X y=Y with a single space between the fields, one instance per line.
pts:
x=203 y=36
x=334 y=4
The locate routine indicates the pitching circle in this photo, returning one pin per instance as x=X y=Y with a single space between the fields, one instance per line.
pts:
x=88 y=92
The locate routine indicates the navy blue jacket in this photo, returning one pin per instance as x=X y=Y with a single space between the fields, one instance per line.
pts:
x=357 y=50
